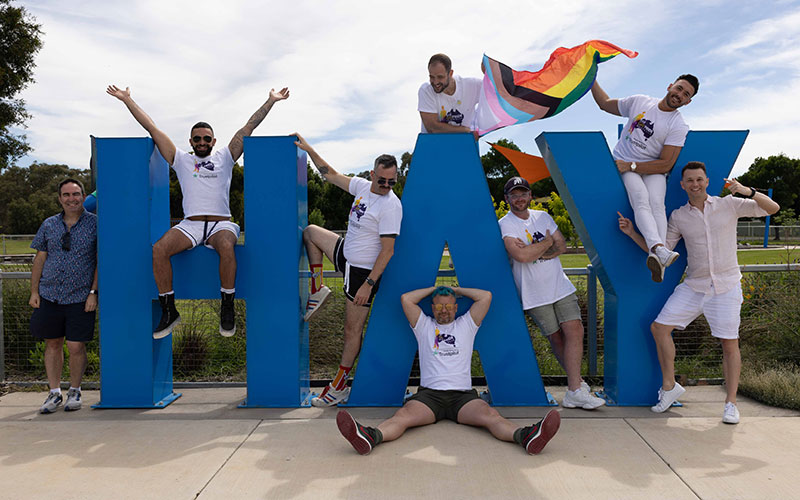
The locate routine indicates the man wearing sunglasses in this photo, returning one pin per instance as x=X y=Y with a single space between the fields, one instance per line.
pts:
x=533 y=243
x=64 y=291
x=445 y=392
x=205 y=179
x=361 y=256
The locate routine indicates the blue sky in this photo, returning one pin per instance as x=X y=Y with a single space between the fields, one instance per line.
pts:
x=354 y=67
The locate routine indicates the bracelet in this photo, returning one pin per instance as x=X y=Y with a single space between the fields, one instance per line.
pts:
x=752 y=193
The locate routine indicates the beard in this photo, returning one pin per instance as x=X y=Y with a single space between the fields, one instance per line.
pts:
x=202 y=153
x=439 y=91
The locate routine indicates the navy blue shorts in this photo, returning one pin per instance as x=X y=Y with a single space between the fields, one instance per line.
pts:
x=53 y=321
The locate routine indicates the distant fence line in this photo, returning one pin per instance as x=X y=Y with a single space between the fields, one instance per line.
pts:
x=195 y=348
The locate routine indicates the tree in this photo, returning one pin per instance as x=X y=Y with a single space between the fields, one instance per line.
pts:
x=780 y=173
x=19 y=43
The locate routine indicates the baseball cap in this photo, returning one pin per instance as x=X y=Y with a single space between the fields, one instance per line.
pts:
x=516 y=182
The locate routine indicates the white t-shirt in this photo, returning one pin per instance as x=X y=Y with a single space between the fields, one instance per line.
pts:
x=205 y=182
x=457 y=109
x=648 y=129
x=371 y=216
x=542 y=281
x=445 y=352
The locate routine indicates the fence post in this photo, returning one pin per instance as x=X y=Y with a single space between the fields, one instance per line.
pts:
x=2 y=333
x=766 y=222
x=591 y=318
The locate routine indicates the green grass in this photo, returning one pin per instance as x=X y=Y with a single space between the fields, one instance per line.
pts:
x=777 y=385
x=13 y=247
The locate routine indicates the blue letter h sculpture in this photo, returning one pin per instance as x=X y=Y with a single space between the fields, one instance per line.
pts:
x=133 y=210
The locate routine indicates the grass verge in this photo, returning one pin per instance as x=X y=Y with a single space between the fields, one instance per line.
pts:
x=776 y=385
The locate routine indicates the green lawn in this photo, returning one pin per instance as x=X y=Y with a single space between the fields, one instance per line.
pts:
x=13 y=247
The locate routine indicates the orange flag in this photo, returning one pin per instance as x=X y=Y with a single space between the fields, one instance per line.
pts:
x=531 y=168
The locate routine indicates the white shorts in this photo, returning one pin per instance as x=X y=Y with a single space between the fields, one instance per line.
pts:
x=721 y=311
x=199 y=231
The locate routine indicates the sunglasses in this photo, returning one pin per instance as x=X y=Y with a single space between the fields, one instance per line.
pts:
x=206 y=138
x=390 y=182
x=66 y=241
x=439 y=307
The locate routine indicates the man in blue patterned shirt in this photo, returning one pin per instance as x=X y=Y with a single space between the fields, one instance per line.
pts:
x=64 y=291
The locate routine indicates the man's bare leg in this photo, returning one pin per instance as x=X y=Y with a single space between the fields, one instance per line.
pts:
x=412 y=414
x=731 y=367
x=54 y=361
x=479 y=414
x=77 y=362
x=665 y=346
x=354 y=319
x=573 y=352
x=319 y=240
x=173 y=242
x=224 y=243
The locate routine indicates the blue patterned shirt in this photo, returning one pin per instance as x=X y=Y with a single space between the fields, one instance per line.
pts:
x=67 y=274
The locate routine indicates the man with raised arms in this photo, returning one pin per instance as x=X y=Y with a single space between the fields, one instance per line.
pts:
x=205 y=179
x=445 y=392
x=645 y=154
x=361 y=256
x=712 y=286
x=533 y=243
x=447 y=103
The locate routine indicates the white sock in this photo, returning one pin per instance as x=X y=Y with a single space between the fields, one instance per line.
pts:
x=56 y=390
x=228 y=290
x=76 y=388
x=171 y=292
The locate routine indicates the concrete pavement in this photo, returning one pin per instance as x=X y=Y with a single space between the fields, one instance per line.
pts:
x=203 y=447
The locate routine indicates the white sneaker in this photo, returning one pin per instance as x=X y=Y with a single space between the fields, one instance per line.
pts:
x=331 y=397
x=665 y=256
x=583 y=399
x=585 y=386
x=315 y=301
x=73 y=400
x=731 y=414
x=666 y=398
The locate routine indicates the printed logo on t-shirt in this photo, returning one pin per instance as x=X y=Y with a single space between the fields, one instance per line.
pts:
x=453 y=117
x=646 y=126
x=444 y=344
x=205 y=164
x=358 y=208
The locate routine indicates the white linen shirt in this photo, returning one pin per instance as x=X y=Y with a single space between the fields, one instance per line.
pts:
x=710 y=237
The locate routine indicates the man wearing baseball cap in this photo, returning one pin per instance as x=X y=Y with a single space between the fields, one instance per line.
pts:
x=533 y=243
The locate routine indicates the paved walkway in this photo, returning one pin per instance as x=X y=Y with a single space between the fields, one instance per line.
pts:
x=202 y=446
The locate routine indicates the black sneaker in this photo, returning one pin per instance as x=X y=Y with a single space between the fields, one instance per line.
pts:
x=227 y=316
x=535 y=437
x=362 y=438
x=169 y=316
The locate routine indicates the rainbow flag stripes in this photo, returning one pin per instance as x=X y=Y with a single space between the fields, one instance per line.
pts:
x=510 y=97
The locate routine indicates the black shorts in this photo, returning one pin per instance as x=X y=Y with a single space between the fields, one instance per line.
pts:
x=444 y=404
x=354 y=276
x=53 y=321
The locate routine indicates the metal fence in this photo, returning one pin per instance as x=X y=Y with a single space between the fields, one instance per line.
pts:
x=201 y=354
x=755 y=231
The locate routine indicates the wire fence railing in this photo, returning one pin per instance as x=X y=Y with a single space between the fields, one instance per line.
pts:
x=200 y=354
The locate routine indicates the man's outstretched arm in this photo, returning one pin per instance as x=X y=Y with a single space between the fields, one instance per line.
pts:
x=603 y=101
x=236 y=146
x=626 y=226
x=327 y=172
x=163 y=143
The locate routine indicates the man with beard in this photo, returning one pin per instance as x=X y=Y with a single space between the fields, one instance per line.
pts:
x=645 y=154
x=445 y=392
x=205 y=180
x=447 y=104
x=362 y=256
x=533 y=243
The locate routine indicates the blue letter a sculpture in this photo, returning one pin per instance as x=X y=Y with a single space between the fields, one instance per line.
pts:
x=446 y=199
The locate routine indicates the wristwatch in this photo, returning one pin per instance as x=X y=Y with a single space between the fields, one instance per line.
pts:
x=93 y=292
x=370 y=281
x=752 y=193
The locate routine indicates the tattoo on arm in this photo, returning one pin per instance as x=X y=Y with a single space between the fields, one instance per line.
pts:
x=323 y=169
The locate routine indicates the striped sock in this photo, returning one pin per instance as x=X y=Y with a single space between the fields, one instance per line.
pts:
x=340 y=380
x=316 y=277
